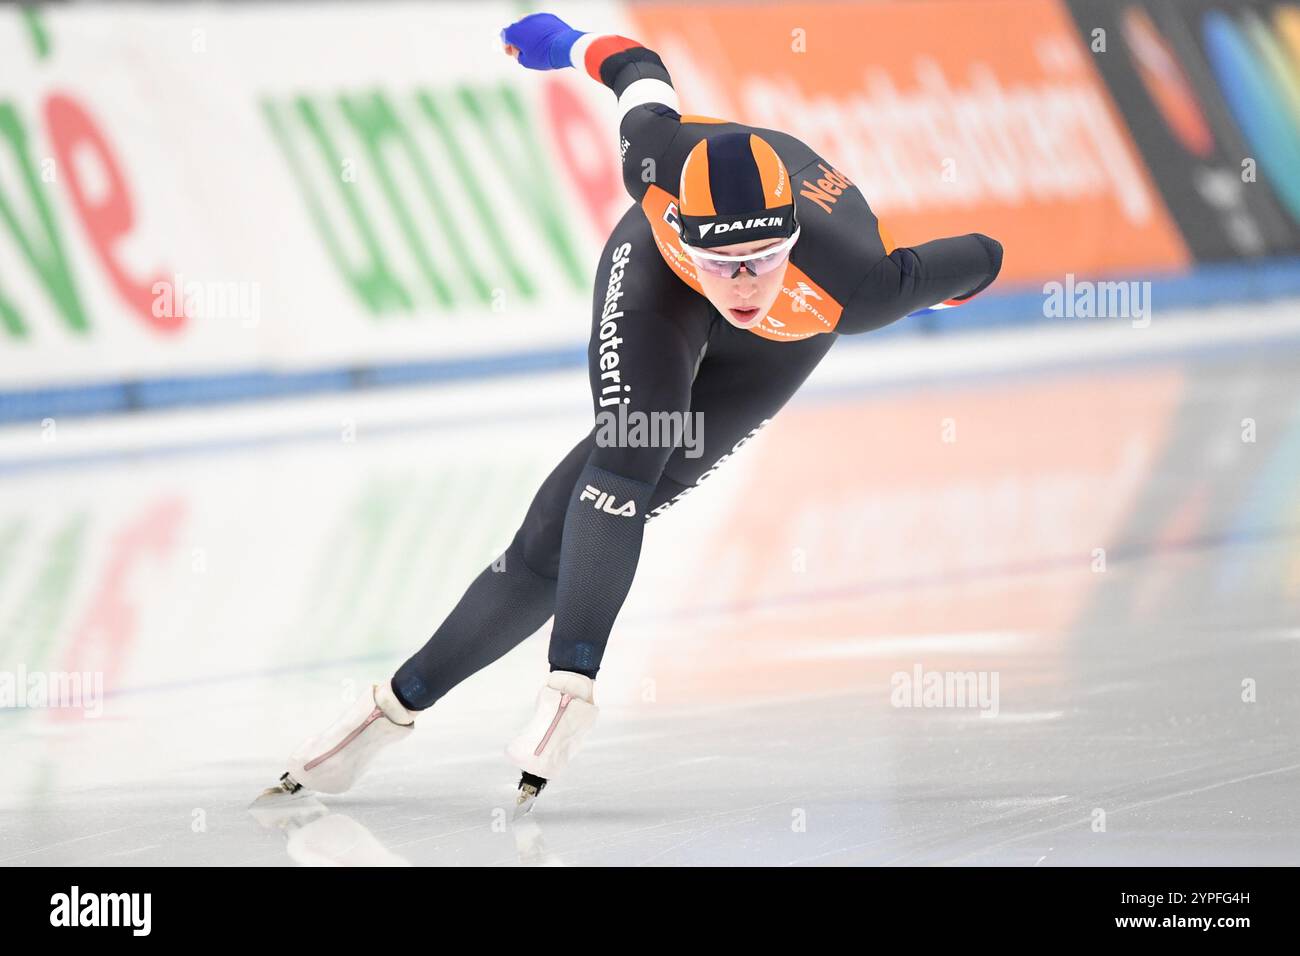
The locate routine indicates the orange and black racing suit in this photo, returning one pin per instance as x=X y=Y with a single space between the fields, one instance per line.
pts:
x=658 y=346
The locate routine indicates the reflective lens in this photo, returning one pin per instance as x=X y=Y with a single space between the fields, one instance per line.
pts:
x=759 y=265
x=729 y=267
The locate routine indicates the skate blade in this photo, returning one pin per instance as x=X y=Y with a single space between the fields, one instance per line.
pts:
x=529 y=789
x=524 y=804
x=286 y=792
x=275 y=809
x=278 y=797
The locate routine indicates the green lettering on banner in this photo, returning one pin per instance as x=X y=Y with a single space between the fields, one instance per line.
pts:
x=523 y=168
x=10 y=319
x=374 y=282
x=375 y=121
x=471 y=183
x=46 y=603
x=40 y=37
x=50 y=264
x=388 y=142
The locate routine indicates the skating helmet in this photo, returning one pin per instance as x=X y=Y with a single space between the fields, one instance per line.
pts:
x=735 y=189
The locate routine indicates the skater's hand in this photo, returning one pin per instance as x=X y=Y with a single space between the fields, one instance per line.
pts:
x=540 y=41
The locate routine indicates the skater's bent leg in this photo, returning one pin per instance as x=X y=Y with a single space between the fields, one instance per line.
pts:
x=648 y=335
x=604 y=519
x=667 y=491
x=508 y=601
x=603 y=529
x=605 y=516
x=539 y=533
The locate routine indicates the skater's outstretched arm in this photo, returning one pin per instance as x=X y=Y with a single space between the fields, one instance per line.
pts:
x=943 y=272
x=649 y=119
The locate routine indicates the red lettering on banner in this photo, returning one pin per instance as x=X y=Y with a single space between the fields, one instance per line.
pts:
x=107 y=218
x=587 y=150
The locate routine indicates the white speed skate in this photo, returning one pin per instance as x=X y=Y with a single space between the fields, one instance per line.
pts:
x=331 y=762
x=566 y=710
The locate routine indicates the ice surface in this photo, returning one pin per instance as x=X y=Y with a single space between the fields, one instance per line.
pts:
x=1105 y=520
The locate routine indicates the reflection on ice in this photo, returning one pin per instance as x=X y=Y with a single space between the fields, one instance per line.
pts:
x=1085 y=538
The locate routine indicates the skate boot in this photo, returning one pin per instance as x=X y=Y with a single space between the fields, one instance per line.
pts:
x=333 y=761
x=565 y=712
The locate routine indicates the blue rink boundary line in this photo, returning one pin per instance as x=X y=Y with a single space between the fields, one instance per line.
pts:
x=151 y=394
x=1208 y=285
x=1277 y=347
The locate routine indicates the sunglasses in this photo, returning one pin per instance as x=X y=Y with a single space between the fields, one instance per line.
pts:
x=757 y=263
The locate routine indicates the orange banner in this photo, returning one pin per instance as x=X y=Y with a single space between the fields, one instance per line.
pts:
x=951 y=116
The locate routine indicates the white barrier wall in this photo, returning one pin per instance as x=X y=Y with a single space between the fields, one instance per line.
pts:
x=212 y=187
x=239 y=188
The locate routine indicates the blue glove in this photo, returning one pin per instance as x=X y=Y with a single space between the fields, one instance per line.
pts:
x=543 y=41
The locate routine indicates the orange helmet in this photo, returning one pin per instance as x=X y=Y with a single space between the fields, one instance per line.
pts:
x=734 y=189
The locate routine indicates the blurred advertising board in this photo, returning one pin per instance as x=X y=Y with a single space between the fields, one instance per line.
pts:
x=189 y=188
x=952 y=117
x=1211 y=93
x=226 y=191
